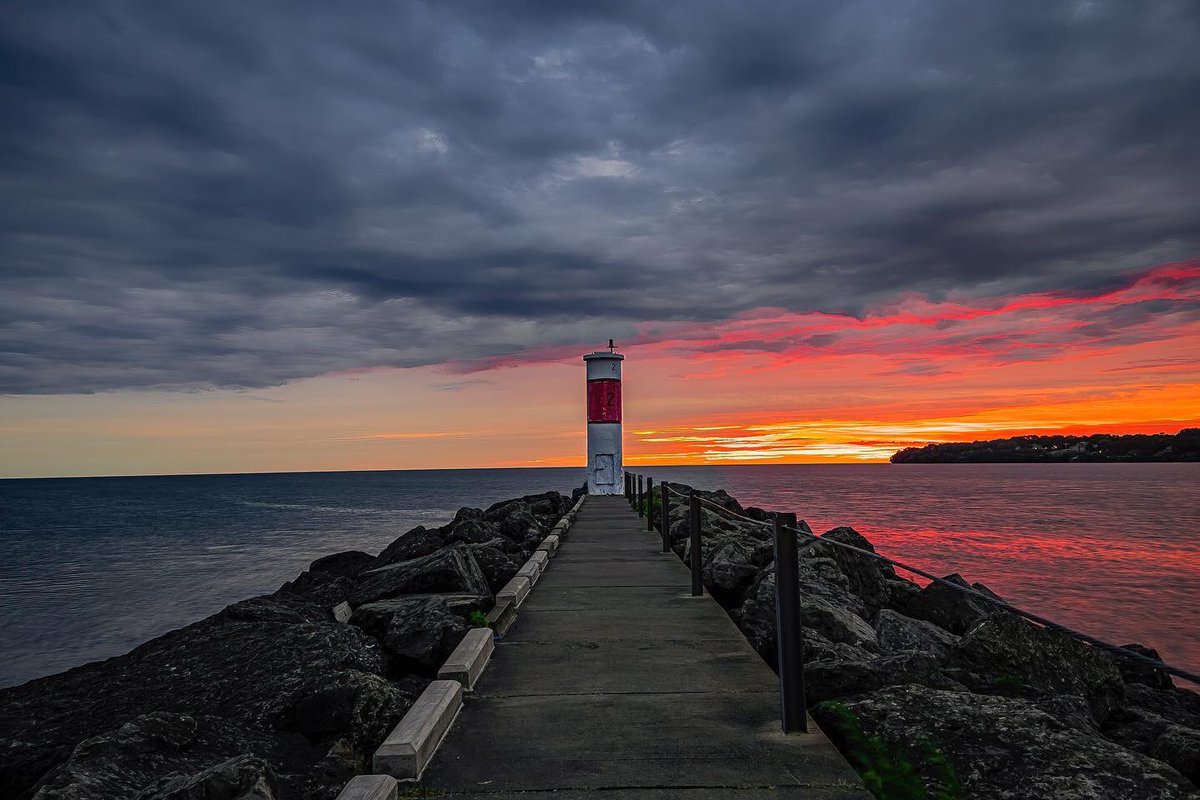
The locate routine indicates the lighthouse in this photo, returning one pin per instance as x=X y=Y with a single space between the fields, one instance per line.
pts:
x=605 y=473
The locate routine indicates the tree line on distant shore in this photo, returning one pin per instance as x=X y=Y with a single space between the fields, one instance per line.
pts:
x=1098 y=447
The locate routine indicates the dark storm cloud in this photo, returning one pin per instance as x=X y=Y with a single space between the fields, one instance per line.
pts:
x=239 y=194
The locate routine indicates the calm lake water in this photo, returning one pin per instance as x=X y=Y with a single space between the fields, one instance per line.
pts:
x=91 y=567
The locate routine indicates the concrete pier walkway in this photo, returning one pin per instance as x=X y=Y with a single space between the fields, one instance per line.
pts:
x=615 y=682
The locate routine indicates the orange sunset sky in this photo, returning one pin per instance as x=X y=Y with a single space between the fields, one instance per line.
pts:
x=766 y=387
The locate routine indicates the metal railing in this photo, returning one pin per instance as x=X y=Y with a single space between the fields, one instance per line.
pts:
x=786 y=534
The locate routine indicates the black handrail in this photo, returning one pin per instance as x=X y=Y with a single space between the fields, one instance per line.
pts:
x=665 y=522
x=649 y=504
x=789 y=638
x=694 y=523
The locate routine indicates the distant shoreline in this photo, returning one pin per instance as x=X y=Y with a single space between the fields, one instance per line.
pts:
x=1097 y=448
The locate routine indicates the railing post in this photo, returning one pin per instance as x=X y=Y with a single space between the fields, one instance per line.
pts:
x=788 y=635
x=649 y=504
x=665 y=522
x=640 y=497
x=694 y=545
x=626 y=487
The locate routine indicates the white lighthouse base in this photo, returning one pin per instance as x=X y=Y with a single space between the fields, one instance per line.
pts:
x=606 y=474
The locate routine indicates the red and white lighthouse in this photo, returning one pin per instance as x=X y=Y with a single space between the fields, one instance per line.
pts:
x=605 y=472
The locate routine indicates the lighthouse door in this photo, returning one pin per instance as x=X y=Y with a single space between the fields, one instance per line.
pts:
x=604 y=470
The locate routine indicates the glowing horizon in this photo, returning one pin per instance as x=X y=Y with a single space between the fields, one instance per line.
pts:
x=767 y=387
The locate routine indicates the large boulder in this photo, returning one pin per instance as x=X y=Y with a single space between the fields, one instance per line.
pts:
x=549 y=505
x=723 y=499
x=868 y=578
x=822 y=577
x=756 y=616
x=414 y=544
x=515 y=520
x=421 y=633
x=497 y=563
x=949 y=608
x=119 y=761
x=1004 y=654
x=840 y=677
x=161 y=756
x=757 y=514
x=897 y=633
x=901 y=592
x=1135 y=671
x=243 y=777
x=1153 y=735
x=837 y=624
x=728 y=567
x=1162 y=723
x=451 y=569
x=818 y=648
x=834 y=623
x=374 y=618
x=282 y=608
x=469 y=526
x=359 y=708
x=679 y=529
x=998 y=748
x=1179 y=747
x=347 y=564
x=1180 y=706
x=321 y=588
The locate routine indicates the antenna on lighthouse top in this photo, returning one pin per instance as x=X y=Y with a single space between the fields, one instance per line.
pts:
x=612 y=348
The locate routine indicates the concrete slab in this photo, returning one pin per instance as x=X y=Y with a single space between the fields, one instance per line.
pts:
x=468 y=660
x=541 y=558
x=550 y=543
x=615 y=550
x=515 y=591
x=568 y=572
x=502 y=615
x=624 y=740
x=594 y=666
x=572 y=598
x=370 y=787
x=530 y=571
x=685 y=622
x=408 y=748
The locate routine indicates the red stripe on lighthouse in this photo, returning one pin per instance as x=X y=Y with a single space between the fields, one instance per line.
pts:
x=604 y=401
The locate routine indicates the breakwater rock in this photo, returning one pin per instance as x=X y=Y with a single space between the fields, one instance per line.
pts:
x=934 y=693
x=278 y=696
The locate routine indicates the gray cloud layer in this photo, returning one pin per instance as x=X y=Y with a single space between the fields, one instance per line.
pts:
x=239 y=194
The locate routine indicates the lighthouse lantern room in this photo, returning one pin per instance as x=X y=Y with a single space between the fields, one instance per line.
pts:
x=605 y=472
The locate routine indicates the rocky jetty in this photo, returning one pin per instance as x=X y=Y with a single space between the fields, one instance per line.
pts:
x=934 y=693
x=281 y=696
